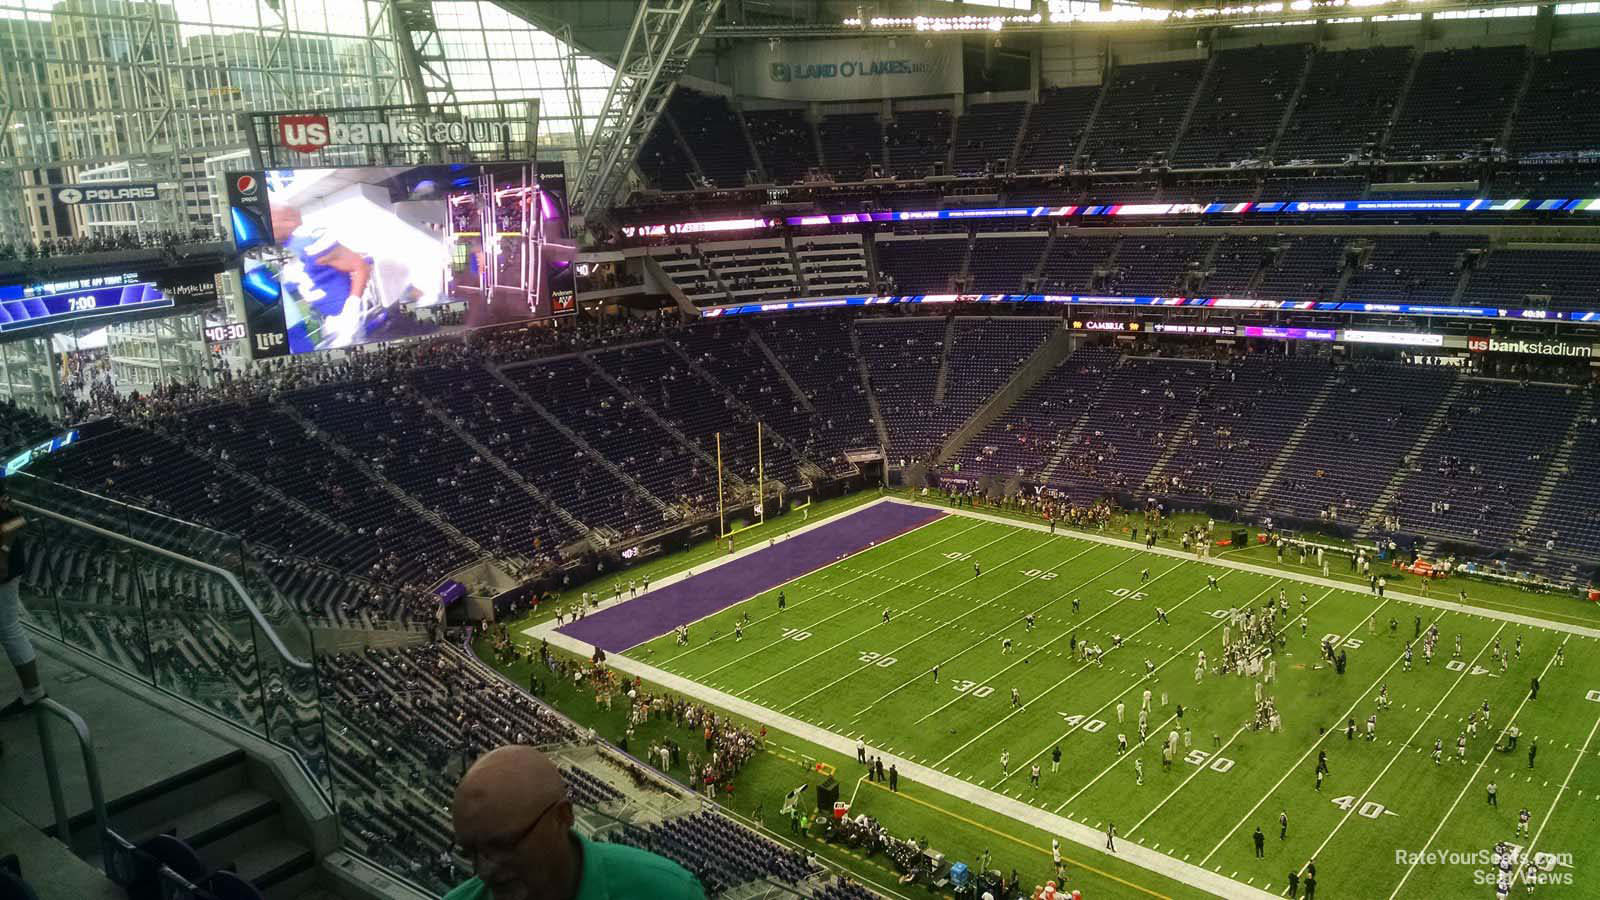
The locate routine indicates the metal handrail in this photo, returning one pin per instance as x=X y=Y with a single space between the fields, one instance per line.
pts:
x=232 y=580
x=52 y=773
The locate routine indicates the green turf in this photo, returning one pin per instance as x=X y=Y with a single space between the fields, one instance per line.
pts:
x=831 y=660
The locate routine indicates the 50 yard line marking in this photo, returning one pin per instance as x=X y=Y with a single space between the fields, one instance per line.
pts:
x=1085 y=667
x=1309 y=750
x=984 y=605
x=893 y=562
x=1108 y=607
x=1483 y=762
x=1235 y=736
x=857 y=636
x=1157 y=729
x=1401 y=752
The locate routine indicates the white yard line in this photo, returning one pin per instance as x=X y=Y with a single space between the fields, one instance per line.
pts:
x=799 y=602
x=1309 y=750
x=858 y=635
x=1527 y=855
x=1235 y=736
x=1479 y=770
x=1157 y=730
x=1091 y=838
x=852 y=606
x=1024 y=657
x=1446 y=605
x=979 y=642
x=1107 y=705
x=1403 y=744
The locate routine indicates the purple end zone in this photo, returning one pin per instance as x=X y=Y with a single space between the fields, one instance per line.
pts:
x=627 y=624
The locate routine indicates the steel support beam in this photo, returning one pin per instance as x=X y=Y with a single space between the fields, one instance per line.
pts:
x=664 y=36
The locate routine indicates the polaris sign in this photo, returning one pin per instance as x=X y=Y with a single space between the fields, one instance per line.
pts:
x=308 y=133
x=104 y=192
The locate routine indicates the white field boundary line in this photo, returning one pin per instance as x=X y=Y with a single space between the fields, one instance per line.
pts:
x=1075 y=626
x=1180 y=652
x=1402 y=751
x=1527 y=856
x=980 y=641
x=850 y=606
x=858 y=635
x=1446 y=605
x=1294 y=766
x=1168 y=721
x=1473 y=778
x=1235 y=736
x=866 y=574
x=726 y=558
x=1091 y=838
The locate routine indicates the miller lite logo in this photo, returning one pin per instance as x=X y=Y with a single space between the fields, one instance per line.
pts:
x=304 y=133
x=269 y=341
x=245 y=185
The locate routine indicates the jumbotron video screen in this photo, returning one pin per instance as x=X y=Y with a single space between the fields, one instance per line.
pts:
x=343 y=256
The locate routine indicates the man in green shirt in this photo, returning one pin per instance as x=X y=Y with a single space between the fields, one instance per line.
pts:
x=513 y=821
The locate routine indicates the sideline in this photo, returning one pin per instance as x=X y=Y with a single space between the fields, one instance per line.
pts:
x=1270 y=572
x=1128 y=850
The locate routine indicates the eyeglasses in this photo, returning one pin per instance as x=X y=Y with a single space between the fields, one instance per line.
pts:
x=500 y=848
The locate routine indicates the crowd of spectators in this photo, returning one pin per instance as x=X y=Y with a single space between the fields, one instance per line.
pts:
x=109 y=240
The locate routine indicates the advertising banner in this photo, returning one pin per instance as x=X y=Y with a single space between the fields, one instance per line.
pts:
x=1535 y=347
x=105 y=192
x=849 y=69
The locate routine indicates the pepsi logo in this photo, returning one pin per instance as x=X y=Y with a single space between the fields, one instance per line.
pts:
x=245 y=185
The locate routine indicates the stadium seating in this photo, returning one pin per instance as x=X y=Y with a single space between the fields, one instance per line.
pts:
x=999 y=264
x=1348 y=100
x=722 y=854
x=1458 y=102
x=1412 y=269
x=1073 y=259
x=1562 y=106
x=664 y=161
x=1237 y=114
x=922 y=264
x=918 y=141
x=1554 y=279
x=985 y=136
x=903 y=357
x=817 y=354
x=1141 y=114
x=710 y=126
x=613 y=426
x=1303 y=268
x=1055 y=127
x=1160 y=266
x=786 y=142
x=852 y=143
x=831 y=265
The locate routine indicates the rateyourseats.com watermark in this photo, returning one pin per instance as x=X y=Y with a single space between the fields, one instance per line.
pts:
x=1491 y=867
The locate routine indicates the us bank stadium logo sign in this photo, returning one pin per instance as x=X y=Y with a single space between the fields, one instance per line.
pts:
x=311 y=132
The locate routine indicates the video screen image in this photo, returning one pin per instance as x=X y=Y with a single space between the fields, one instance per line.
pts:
x=338 y=257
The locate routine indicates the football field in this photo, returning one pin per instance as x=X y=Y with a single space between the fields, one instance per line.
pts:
x=1387 y=821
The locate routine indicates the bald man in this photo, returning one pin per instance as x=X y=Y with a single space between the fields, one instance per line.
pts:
x=513 y=821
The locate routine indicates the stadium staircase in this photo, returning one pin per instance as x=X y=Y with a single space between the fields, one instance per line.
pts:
x=794 y=261
x=1044 y=360
x=500 y=465
x=944 y=359
x=1281 y=461
x=783 y=372
x=272 y=491
x=1015 y=157
x=1399 y=107
x=807 y=467
x=866 y=384
x=1070 y=442
x=1560 y=468
x=1397 y=479
x=1288 y=108
x=409 y=502
x=1503 y=140
x=1174 y=444
x=578 y=441
x=869 y=251
x=1094 y=114
x=750 y=144
x=683 y=145
x=652 y=415
x=1200 y=84
x=652 y=267
x=1032 y=281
